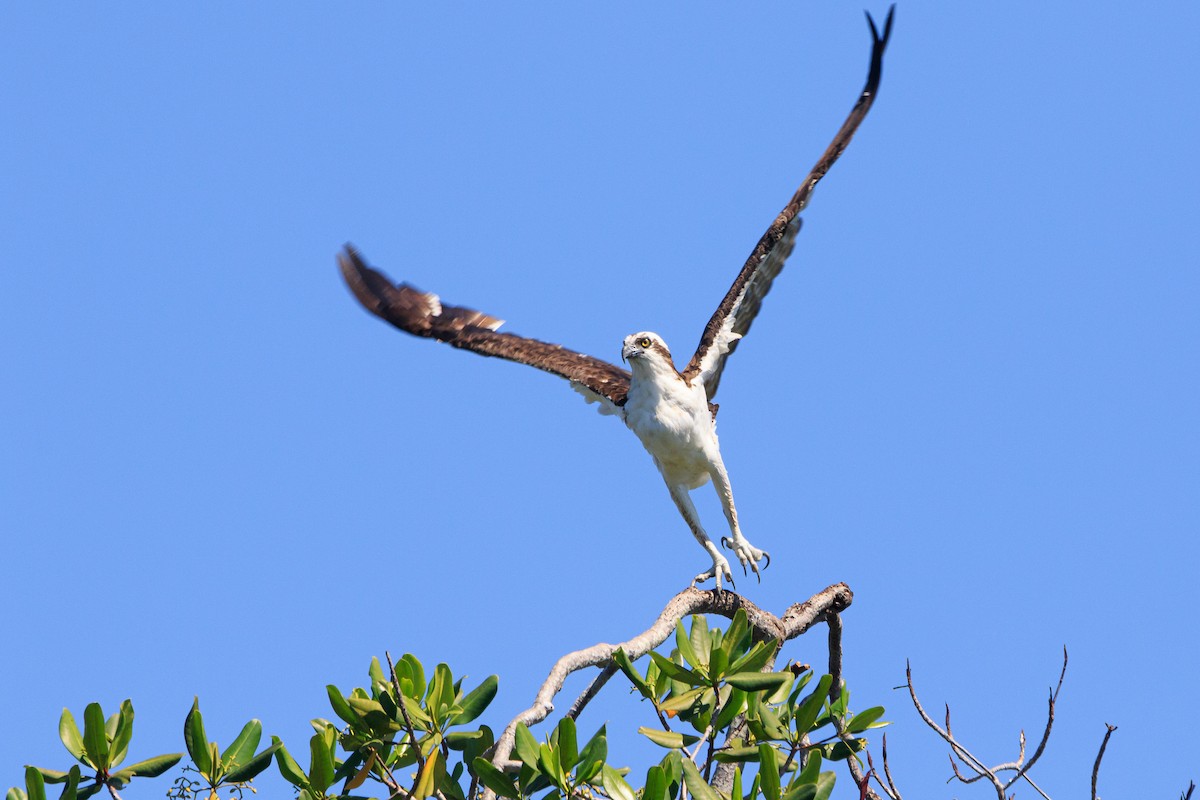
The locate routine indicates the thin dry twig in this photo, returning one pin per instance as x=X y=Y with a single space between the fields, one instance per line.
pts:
x=1099 y=756
x=890 y=789
x=1188 y=794
x=981 y=770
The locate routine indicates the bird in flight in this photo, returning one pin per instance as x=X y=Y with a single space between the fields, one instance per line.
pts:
x=670 y=410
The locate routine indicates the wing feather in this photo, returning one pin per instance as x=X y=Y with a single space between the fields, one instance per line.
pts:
x=741 y=303
x=423 y=314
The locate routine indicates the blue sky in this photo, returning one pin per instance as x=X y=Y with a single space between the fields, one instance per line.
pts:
x=972 y=395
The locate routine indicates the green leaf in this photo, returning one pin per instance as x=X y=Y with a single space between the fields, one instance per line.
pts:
x=755 y=659
x=434 y=770
x=864 y=719
x=695 y=781
x=768 y=769
x=253 y=766
x=568 y=747
x=95 y=738
x=733 y=704
x=416 y=677
x=495 y=780
x=441 y=692
x=701 y=641
x=677 y=672
x=526 y=746
x=615 y=785
x=670 y=739
x=840 y=751
x=735 y=792
x=759 y=681
x=837 y=708
x=343 y=708
x=196 y=741
x=68 y=731
x=15 y=794
x=479 y=699
x=548 y=763
x=718 y=663
x=35 y=785
x=593 y=756
x=151 y=767
x=320 y=769
x=769 y=726
x=656 y=784
x=241 y=750
x=820 y=788
x=812 y=768
x=122 y=734
x=810 y=707
x=625 y=665
x=740 y=754
x=736 y=636
x=684 y=701
x=685 y=646
x=288 y=767
x=87 y=792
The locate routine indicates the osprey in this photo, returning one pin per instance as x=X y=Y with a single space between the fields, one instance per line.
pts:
x=670 y=411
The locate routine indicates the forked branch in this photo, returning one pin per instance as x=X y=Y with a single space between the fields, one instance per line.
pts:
x=794 y=621
x=975 y=769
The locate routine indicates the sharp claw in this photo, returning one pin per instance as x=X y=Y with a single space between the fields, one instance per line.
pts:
x=767 y=556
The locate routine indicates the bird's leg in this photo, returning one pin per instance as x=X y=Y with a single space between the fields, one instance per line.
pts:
x=746 y=553
x=720 y=567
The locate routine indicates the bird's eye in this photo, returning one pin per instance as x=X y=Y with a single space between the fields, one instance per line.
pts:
x=644 y=343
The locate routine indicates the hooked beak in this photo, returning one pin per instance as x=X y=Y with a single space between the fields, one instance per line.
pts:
x=630 y=351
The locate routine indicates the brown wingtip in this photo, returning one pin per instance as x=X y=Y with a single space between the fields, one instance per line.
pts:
x=359 y=278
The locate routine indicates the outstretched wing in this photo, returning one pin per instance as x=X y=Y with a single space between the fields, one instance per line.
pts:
x=741 y=303
x=423 y=314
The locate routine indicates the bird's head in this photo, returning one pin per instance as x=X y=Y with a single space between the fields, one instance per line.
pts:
x=647 y=349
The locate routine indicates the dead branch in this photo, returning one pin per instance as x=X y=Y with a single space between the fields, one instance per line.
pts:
x=795 y=621
x=1020 y=767
x=1099 y=756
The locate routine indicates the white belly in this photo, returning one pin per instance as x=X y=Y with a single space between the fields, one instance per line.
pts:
x=676 y=428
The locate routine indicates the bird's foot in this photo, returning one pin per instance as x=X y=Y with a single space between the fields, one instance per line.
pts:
x=747 y=554
x=720 y=569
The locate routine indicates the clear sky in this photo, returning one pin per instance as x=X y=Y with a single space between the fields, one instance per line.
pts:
x=972 y=395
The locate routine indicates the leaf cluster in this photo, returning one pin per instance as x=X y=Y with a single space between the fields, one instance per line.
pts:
x=101 y=748
x=402 y=720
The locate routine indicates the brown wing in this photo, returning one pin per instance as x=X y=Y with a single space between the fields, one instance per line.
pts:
x=744 y=298
x=423 y=314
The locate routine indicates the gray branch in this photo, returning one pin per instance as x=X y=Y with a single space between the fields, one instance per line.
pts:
x=796 y=620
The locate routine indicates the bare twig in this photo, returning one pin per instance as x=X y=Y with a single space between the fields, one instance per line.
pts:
x=957 y=748
x=890 y=790
x=835 y=656
x=1188 y=794
x=112 y=791
x=1019 y=766
x=591 y=691
x=1099 y=756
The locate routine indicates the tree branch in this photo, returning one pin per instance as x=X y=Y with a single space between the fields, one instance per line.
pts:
x=796 y=620
x=1020 y=766
x=1099 y=756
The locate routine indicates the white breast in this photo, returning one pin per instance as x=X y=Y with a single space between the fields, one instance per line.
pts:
x=674 y=424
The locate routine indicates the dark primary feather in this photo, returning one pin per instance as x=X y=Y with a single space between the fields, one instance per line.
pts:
x=767 y=259
x=422 y=314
